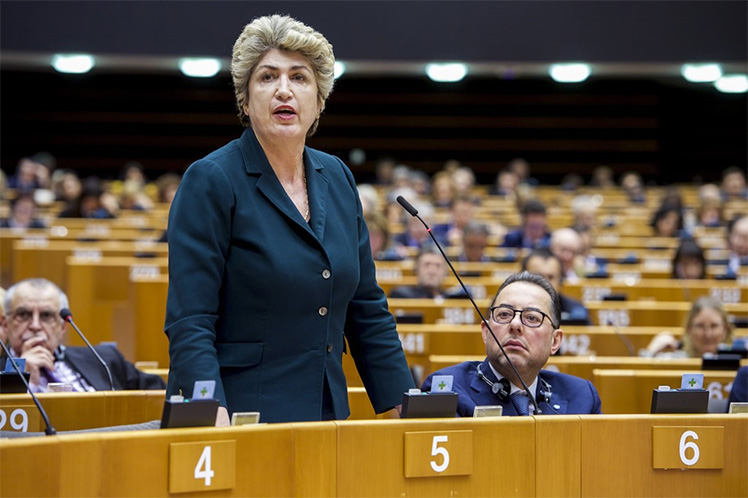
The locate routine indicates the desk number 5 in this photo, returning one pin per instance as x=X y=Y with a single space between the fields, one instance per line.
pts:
x=437 y=450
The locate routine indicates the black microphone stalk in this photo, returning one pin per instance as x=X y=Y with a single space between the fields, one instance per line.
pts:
x=48 y=429
x=67 y=315
x=414 y=212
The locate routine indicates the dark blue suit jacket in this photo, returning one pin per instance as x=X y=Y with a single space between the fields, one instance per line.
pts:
x=569 y=394
x=260 y=301
x=516 y=239
x=124 y=374
x=739 y=390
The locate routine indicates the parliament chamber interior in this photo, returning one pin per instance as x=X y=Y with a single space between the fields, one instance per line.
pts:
x=636 y=182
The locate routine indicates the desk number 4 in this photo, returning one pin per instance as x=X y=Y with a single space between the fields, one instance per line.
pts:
x=203 y=469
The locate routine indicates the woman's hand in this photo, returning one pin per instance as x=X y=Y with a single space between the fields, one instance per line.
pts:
x=663 y=342
x=222 y=417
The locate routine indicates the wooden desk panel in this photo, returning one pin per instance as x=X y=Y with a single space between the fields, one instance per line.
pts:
x=371 y=460
x=616 y=458
x=77 y=411
x=630 y=391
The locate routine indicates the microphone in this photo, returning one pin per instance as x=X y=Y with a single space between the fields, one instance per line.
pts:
x=48 y=430
x=68 y=317
x=414 y=212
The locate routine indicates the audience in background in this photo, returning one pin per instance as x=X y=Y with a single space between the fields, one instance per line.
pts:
x=584 y=213
x=633 y=186
x=383 y=170
x=89 y=203
x=431 y=269
x=464 y=181
x=474 y=242
x=544 y=263
x=415 y=235
x=443 y=189
x=167 y=185
x=689 y=261
x=22 y=213
x=461 y=211
x=379 y=238
x=737 y=243
x=667 y=221
x=66 y=185
x=707 y=326
x=566 y=245
x=521 y=168
x=739 y=392
x=733 y=184
x=26 y=178
x=506 y=184
x=602 y=177
x=533 y=232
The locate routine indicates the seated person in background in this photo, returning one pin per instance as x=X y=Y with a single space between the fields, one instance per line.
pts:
x=602 y=176
x=739 y=392
x=733 y=184
x=737 y=242
x=474 y=242
x=89 y=203
x=584 y=212
x=35 y=332
x=689 y=261
x=461 y=210
x=544 y=263
x=443 y=189
x=633 y=186
x=534 y=230
x=26 y=178
x=415 y=235
x=430 y=269
x=667 y=222
x=524 y=317
x=506 y=184
x=566 y=245
x=379 y=238
x=22 y=213
x=707 y=326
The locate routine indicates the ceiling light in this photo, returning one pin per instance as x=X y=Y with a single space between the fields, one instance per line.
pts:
x=448 y=72
x=73 y=63
x=700 y=73
x=732 y=83
x=569 y=73
x=339 y=69
x=200 y=67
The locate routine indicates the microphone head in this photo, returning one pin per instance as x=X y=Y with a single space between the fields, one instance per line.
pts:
x=407 y=205
x=65 y=314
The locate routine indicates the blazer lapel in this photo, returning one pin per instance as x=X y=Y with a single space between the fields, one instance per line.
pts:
x=317 y=185
x=558 y=404
x=256 y=164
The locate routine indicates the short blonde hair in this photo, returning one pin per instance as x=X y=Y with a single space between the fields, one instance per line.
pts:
x=284 y=33
x=702 y=303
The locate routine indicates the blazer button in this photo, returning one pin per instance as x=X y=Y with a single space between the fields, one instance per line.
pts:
x=325 y=273
x=329 y=348
x=322 y=311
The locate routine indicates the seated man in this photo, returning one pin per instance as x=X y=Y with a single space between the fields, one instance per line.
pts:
x=524 y=317
x=430 y=270
x=739 y=391
x=35 y=332
x=534 y=230
x=737 y=242
x=542 y=262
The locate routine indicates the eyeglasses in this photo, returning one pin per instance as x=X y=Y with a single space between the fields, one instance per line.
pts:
x=529 y=317
x=47 y=317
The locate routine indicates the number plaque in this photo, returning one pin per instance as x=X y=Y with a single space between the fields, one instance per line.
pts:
x=435 y=454
x=202 y=466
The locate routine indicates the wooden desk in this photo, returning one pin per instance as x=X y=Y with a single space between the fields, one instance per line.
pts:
x=565 y=456
x=76 y=411
x=100 y=297
x=630 y=391
x=583 y=366
x=658 y=290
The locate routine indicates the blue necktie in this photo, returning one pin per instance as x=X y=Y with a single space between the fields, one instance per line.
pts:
x=521 y=403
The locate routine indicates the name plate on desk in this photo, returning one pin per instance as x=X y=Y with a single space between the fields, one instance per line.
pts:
x=688 y=447
x=20 y=418
x=435 y=454
x=202 y=466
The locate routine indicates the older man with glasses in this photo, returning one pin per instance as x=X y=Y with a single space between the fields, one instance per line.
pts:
x=35 y=332
x=525 y=318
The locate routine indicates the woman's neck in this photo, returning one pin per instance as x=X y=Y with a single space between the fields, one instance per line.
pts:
x=287 y=160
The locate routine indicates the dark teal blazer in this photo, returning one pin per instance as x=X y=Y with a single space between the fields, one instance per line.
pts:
x=260 y=301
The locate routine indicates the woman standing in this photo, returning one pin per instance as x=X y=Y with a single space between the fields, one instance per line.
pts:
x=270 y=267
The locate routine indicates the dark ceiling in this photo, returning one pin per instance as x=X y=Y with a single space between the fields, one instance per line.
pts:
x=596 y=31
